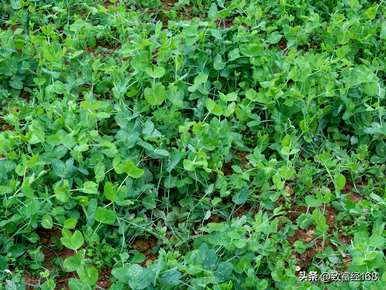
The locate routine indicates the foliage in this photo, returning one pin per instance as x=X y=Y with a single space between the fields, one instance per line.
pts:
x=247 y=138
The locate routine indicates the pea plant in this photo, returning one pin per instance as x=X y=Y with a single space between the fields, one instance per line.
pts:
x=192 y=144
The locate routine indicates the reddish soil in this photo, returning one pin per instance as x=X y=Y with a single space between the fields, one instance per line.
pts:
x=330 y=214
x=283 y=45
x=345 y=239
x=224 y=23
x=31 y=282
x=243 y=159
x=168 y=4
x=307 y=236
x=145 y=246
x=227 y=169
x=104 y=279
x=348 y=189
x=303 y=235
x=4 y=126
x=215 y=218
x=355 y=197
x=296 y=212
x=242 y=210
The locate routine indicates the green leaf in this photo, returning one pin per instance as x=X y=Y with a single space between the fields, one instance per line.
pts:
x=140 y=278
x=47 y=222
x=105 y=216
x=136 y=276
x=76 y=284
x=214 y=108
x=320 y=221
x=72 y=263
x=99 y=172
x=129 y=168
x=110 y=192
x=88 y=275
x=171 y=277
x=90 y=187
x=241 y=195
x=212 y=13
x=62 y=190
x=231 y=97
x=311 y=201
x=155 y=72
x=218 y=63
x=36 y=133
x=200 y=79
x=121 y=274
x=274 y=37
x=340 y=181
x=234 y=54
x=155 y=95
x=72 y=241
x=70 y=223
x=251 y=95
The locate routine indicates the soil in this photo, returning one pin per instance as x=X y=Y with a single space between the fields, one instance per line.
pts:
x=168 y=4
x=145 y=246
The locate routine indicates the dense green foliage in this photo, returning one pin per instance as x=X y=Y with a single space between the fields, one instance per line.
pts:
x=239 y=142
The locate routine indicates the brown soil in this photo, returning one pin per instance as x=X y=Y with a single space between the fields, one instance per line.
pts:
x=224 y=23
x=296 y=212
x=283 y=45
x=355 y=197
x=242 y=210
x=145 y=246
x=104 y=279
x=227 y=169
x=307 y=236
x=31 y=282
x=215 y=218
x=330 y=214
x=4 y=126
x=168 y=4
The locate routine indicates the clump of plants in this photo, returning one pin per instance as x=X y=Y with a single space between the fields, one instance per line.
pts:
x=191 y=144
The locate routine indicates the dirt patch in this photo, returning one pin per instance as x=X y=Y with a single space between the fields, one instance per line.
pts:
x=303 y=235
x=168 y=4
x=243 y=159
x=296 y=212
x=145 y=246
x=355 y=197
x=282 y=44
x=224 y=23
x=25 y=94
x=46 y=235
x=4 y=126
x=62 y=282
x=242 y=210
x=107 y=3
x=215 y=218
x=227 y=169
x=344 y=239
x=306 y=236
x=104 y=279
x=249 y=207
x=348 y=187
x=31 y=281
x=330 y=214
x=47 y=239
